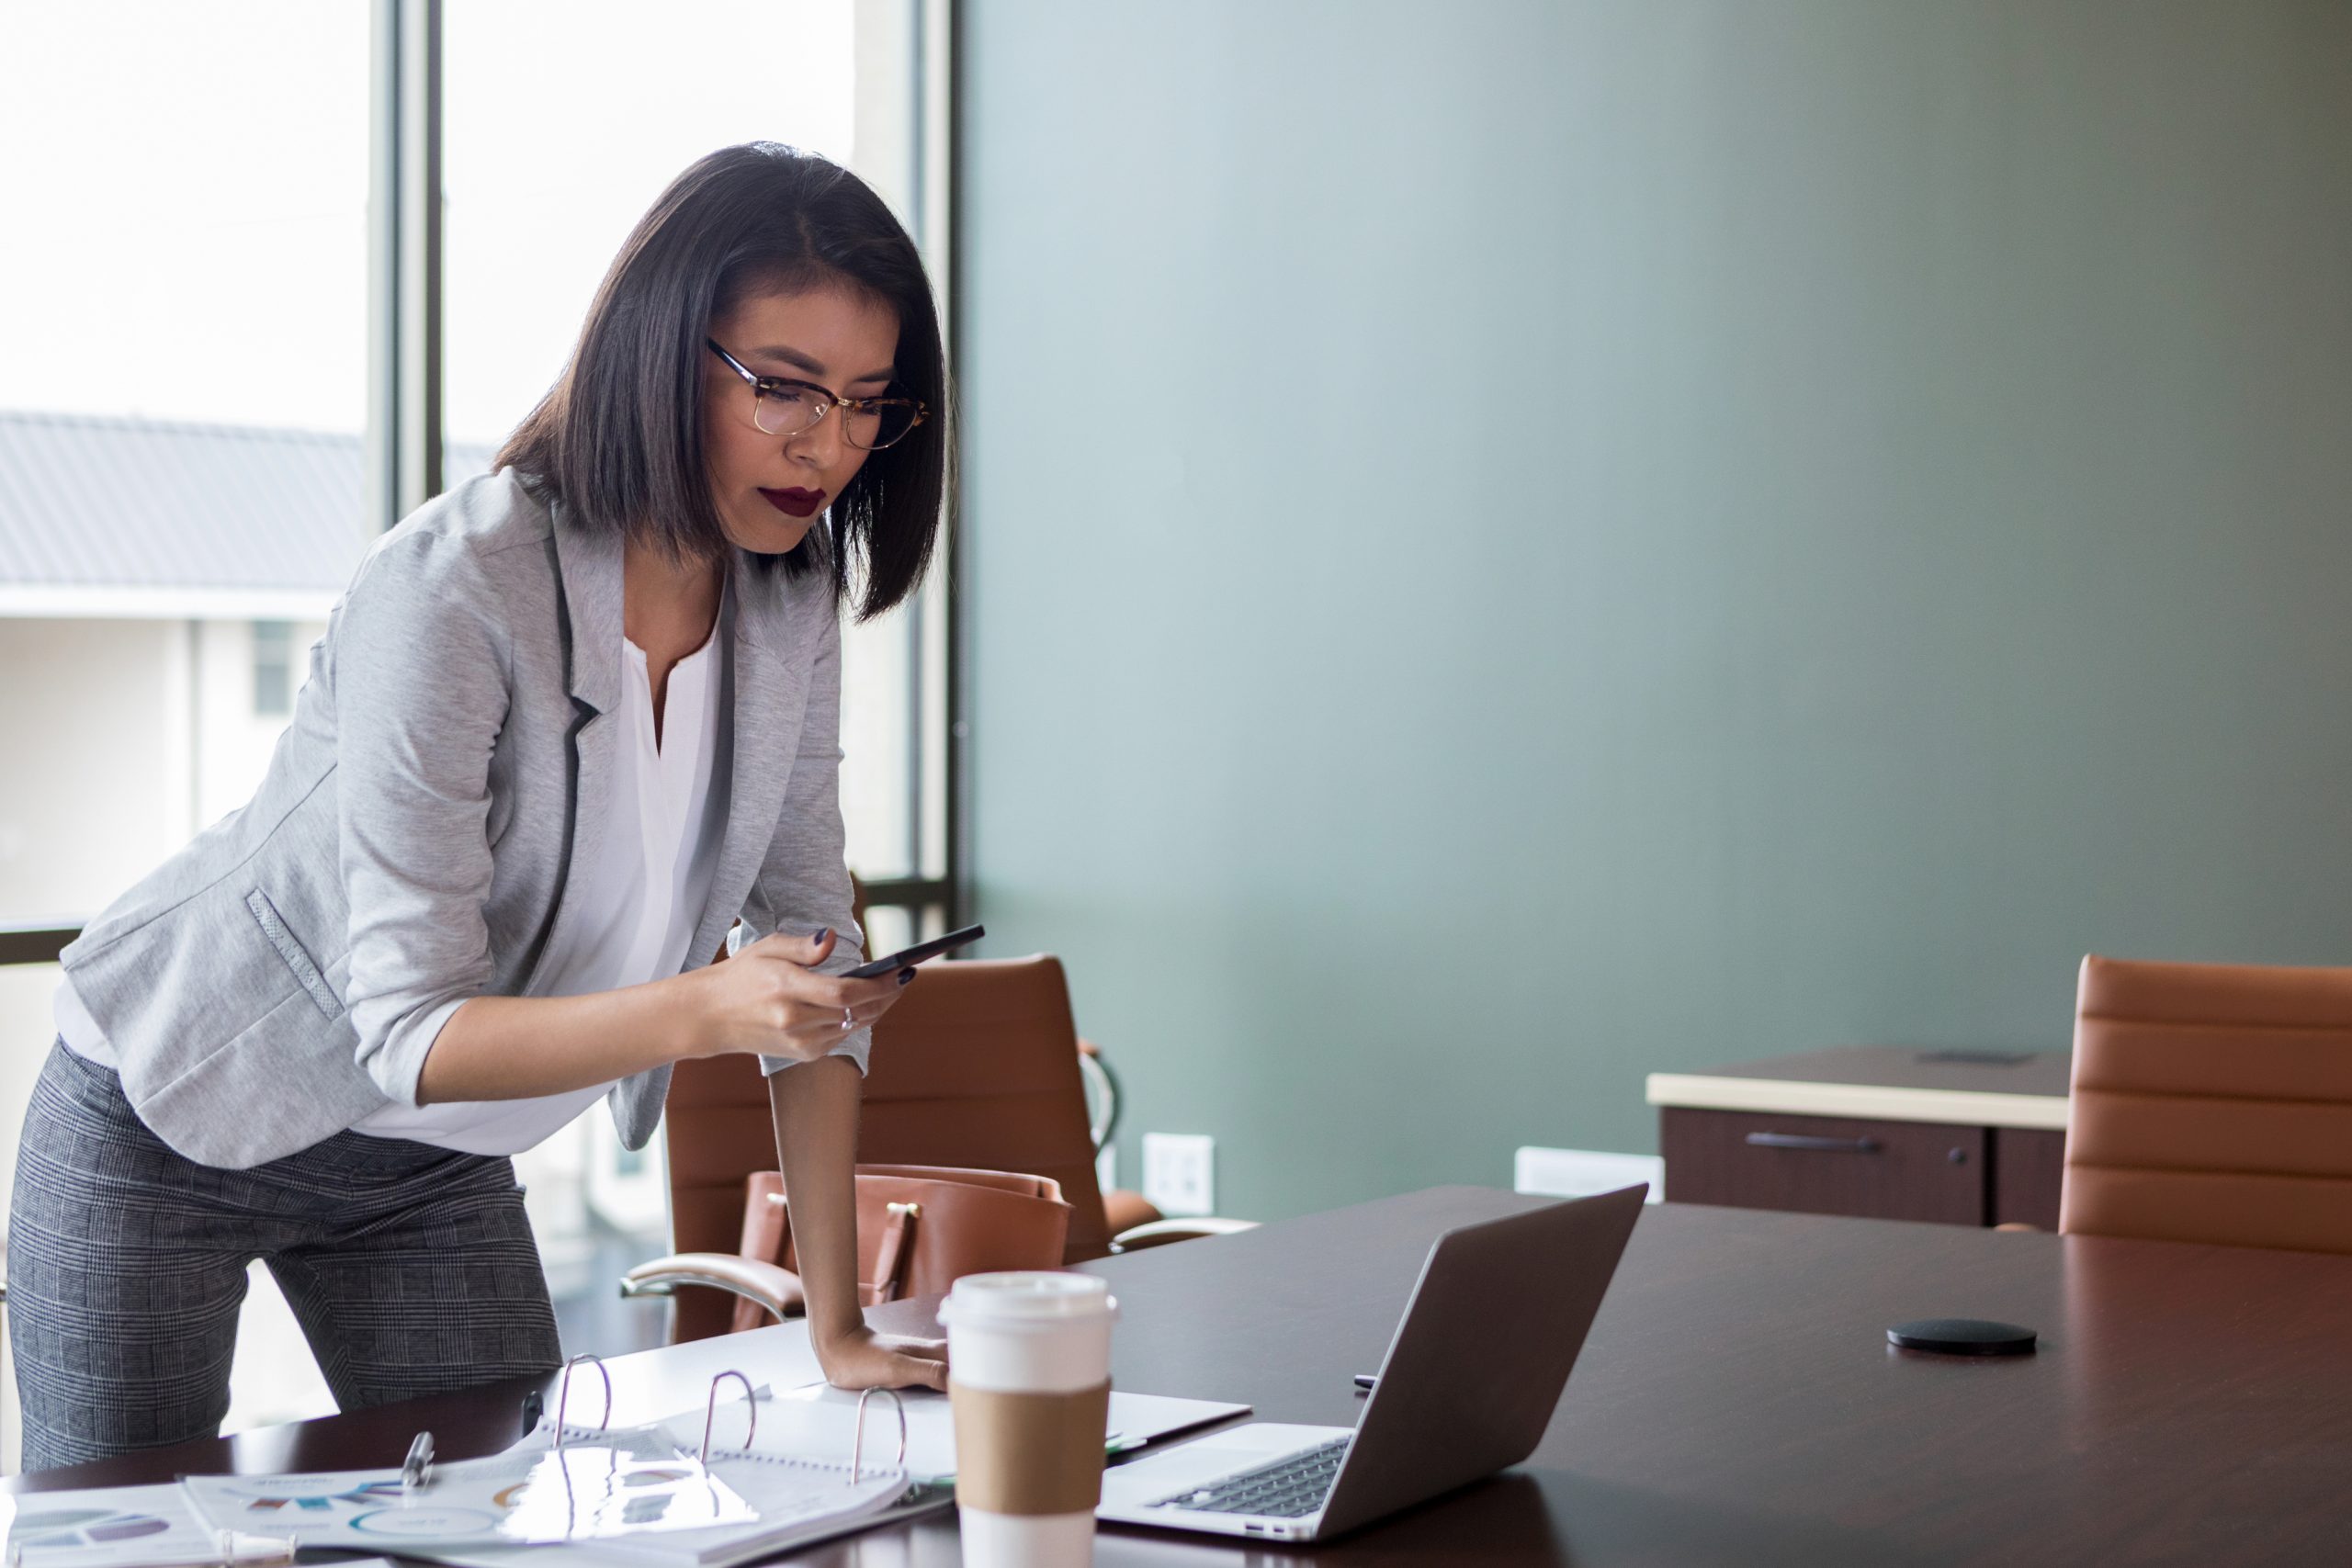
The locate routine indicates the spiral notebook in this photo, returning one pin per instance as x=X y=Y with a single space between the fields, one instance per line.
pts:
x=912 y=1502
x=797 y=1499
x=817 y=1419
x=804 y=1501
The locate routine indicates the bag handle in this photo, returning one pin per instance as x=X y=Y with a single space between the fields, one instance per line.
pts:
x=890 y=1264
x=891 y=1258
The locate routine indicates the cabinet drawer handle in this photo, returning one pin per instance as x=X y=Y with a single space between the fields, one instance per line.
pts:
x=1804 y=1141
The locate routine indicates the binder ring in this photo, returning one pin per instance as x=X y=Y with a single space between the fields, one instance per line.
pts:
x=710 y=1409
x=563 y=1393
x=857 y=1437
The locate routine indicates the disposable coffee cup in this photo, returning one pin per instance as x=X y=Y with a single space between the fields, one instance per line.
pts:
x=1029 y=1373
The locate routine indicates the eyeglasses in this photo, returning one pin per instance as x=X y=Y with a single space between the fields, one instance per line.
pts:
x=781 y=406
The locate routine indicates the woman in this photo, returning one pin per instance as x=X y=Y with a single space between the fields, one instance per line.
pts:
x=570 y=724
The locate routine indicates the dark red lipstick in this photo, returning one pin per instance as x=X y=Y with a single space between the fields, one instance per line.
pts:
x=795 y=502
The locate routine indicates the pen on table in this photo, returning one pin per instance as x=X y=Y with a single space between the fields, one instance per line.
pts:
x=416 y=1471
x=1364 y=1381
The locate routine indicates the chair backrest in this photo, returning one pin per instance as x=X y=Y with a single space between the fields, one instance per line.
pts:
x=2213 y=1104
x=976 y=1066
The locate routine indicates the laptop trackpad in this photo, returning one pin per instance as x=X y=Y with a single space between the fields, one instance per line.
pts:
x=1205 y=1460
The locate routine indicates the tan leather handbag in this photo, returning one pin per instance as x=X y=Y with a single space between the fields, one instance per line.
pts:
x=920 y=1228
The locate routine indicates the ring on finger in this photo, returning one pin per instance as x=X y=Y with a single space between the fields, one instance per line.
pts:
x=848 y=1023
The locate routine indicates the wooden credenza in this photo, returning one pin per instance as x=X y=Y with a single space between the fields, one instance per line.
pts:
x=1879 y=1131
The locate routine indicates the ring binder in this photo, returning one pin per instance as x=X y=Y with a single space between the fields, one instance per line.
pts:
x=563 y=1393
x=711 y=1408
x=857 y=1434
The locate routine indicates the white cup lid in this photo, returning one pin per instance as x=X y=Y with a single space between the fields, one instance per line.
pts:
x=1027 y=1297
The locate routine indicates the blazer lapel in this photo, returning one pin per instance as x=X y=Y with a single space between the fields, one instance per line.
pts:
x=589 y=570
x=588 y=566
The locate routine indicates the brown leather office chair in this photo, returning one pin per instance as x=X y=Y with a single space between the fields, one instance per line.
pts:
x=1123 y=1211
x=2212 y=1103
x=975 y=1066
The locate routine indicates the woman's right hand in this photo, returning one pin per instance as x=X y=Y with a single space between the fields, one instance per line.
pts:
x=769 y=999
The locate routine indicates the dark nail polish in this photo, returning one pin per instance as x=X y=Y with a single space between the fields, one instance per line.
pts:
x=820 y=938
x=905 y=975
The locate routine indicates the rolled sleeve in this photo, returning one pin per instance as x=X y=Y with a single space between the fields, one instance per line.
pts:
x=422 y=691
x=803 y=885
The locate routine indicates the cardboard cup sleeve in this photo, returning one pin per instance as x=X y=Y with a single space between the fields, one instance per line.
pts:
x=1029 y=1454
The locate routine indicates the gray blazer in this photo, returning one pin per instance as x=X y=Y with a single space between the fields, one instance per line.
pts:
x=284 y=975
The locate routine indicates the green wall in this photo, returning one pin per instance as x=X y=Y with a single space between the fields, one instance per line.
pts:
x=1511 y=546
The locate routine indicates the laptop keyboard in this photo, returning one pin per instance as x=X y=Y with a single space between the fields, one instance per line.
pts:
x=1287 y=1489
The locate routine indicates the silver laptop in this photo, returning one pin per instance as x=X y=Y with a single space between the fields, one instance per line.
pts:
x=1469 y=1383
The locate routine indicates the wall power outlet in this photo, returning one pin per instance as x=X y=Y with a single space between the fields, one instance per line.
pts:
x=1180 y=1173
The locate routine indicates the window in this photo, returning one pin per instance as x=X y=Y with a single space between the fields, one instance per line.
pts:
x=532 y=216
x=273 y=669
x=181 y=405
x=214 y=349
x=184 y=306
x=543 y=176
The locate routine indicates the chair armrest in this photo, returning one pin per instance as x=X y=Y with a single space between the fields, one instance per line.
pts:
x=1125 y=1209
x=774 y=1289
x=1159 y=1232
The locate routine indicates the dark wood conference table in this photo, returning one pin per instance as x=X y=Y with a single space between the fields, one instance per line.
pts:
x=1738 y=1401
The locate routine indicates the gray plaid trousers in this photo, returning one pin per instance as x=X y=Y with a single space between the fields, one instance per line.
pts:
x=410 y=1268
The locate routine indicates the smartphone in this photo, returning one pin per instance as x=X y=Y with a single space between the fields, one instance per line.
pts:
x=917 y=953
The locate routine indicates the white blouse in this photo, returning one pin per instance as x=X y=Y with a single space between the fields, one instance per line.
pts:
x=642 y=896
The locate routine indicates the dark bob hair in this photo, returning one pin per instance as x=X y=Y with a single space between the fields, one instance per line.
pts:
x=619 y=437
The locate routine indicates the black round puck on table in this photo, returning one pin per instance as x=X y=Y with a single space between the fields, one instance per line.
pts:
x=1962 y=1336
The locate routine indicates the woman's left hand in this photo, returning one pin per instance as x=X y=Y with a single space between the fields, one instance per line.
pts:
x=862 y=1358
